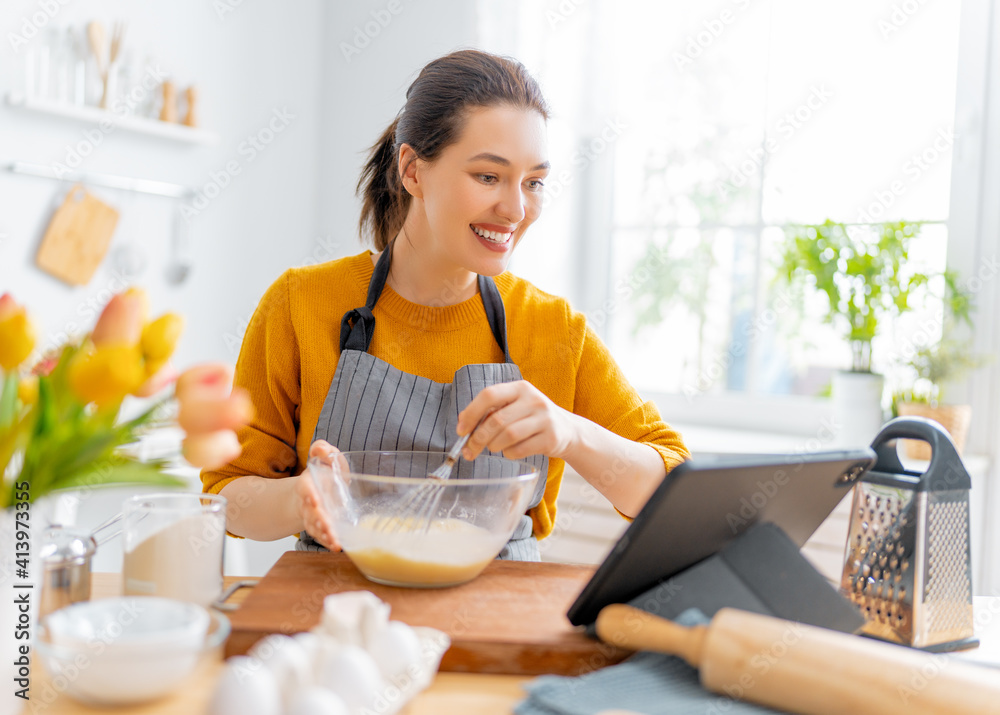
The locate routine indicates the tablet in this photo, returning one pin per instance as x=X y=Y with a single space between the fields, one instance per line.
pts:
x=708 y=501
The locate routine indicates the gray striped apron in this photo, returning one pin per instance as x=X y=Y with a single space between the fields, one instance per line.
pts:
x=372 y=405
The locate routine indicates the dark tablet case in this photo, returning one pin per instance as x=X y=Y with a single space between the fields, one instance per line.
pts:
x=692 y=538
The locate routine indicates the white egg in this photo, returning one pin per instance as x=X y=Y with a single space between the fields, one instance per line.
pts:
x=351 y=673
x=352 y=617
x=317 y=701
x=396 y=649
x=245 y=687
x=311 y=642
x=263 y=649
x=288 y=659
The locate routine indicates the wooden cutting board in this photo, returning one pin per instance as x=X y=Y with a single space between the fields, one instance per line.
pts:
x=77 y=237
x=510 y=619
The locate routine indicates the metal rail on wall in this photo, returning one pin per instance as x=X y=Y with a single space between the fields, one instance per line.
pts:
x=113 y=181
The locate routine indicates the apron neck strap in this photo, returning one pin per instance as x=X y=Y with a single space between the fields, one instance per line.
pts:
x=357 y=327
x=495 y=313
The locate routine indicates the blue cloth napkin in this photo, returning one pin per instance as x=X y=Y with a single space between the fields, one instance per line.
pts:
x=649 y=683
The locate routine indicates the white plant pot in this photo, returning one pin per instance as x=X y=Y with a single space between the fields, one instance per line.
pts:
x=857 y=408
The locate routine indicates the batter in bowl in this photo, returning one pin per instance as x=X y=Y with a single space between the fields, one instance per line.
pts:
x=451 y=552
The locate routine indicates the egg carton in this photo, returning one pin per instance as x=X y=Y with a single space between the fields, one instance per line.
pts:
x=354 y=662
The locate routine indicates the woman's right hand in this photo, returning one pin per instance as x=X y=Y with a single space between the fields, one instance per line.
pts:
x=315 y=518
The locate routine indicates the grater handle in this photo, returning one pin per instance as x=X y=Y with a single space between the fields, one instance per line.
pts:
x=945 y=470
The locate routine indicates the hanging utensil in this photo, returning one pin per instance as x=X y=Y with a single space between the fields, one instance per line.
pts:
x=114 y=52
x=97 y=42
x=180 y=259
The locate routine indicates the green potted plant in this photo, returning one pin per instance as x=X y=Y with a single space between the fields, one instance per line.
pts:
x=931 y=368
x=863 y=273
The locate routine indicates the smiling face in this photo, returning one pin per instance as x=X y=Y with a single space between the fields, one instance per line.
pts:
x=473 y=204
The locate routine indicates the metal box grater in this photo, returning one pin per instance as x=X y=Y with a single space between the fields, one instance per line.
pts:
x=907 y=564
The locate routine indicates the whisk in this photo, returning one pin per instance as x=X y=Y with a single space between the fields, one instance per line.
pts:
x=416 y=510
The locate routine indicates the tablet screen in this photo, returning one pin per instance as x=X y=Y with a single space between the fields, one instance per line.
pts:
x=708 y=501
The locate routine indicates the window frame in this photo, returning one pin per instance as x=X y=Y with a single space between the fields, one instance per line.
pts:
x=973 y=249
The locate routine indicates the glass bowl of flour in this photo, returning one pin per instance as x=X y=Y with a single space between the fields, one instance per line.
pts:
x=128 y=649
x=403 y=528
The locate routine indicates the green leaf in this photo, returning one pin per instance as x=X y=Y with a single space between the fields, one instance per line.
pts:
x=125 y=471
x=8 y=400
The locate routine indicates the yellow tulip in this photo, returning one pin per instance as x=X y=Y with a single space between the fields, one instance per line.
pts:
x=155 y=366
x=17 y=334
x=121 y=320
x=107 y=374
x=27 y=390
x=159 y=338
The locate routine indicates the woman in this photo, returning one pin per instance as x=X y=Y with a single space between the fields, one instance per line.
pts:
x=433 y=325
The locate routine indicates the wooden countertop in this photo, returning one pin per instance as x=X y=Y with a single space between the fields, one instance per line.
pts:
x=450 y=694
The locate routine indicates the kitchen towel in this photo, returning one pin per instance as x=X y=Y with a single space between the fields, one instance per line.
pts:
x=649 y=683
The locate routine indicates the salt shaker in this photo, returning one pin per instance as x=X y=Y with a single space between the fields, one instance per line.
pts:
x=168 y=112
x=191 y=99
x=65 y=559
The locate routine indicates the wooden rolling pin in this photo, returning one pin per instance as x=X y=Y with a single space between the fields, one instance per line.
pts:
x=808 y=670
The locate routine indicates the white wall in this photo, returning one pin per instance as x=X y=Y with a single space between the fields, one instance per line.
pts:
x=366 y=70
x=247 y=63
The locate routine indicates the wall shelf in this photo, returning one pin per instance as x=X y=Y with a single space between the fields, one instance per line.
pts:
x=125 y=122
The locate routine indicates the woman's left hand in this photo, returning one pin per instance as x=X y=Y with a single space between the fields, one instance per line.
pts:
x=519 y=421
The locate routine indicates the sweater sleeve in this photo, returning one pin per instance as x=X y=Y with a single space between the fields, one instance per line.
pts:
x=605 y=396
x=268 y=368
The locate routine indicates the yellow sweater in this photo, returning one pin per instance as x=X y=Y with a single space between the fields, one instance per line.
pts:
x=292 y=345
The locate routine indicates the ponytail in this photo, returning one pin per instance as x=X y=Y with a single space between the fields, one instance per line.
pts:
x=385 y=203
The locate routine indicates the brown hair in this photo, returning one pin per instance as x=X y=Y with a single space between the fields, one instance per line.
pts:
x=431 y=120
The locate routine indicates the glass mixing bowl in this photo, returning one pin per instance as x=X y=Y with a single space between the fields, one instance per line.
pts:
x=127 y=649
x=402 y=529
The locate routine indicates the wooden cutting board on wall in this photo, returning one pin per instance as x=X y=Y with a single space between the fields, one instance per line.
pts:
x=510 y=619
x=77 y=238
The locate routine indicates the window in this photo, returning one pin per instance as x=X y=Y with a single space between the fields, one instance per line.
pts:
x=686 y=135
